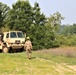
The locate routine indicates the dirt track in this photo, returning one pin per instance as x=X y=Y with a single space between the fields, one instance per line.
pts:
x=60 y=69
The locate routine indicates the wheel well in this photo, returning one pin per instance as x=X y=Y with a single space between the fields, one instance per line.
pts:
x=5 y=44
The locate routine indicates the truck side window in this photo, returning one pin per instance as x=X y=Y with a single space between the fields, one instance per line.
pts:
x=7 y=36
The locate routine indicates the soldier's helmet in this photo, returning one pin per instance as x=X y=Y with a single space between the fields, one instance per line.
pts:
x=27 y=38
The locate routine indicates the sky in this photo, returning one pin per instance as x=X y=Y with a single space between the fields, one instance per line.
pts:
x=65 y=7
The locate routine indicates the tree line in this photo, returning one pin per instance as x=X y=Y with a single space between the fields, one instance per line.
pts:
x=44 y=32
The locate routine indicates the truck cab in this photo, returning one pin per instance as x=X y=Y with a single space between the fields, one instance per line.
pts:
x=13 y=40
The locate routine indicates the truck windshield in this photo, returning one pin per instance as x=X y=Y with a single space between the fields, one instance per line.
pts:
x=20 y=35
x=16 y=35
x=13 y=35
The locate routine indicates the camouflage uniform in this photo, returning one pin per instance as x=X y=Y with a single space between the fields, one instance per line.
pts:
x=28 y=48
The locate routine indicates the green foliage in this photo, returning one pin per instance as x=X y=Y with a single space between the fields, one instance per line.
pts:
x=20 y=16
x=38 y=17
x=67 y=35
x=67 y=40
x=55 y=21
x=42 y=37
x=43 y=32
x=73 y=29
x=3 y=13
x=68 y=29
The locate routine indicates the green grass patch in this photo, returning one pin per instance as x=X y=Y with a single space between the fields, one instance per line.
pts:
x=55 y=58
x=42 y=63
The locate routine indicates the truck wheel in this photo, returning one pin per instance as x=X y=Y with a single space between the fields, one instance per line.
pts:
x=5 y=50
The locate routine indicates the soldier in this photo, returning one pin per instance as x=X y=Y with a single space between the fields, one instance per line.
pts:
x=28 y=47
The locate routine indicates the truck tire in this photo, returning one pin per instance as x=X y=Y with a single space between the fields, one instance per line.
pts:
x=5 y=50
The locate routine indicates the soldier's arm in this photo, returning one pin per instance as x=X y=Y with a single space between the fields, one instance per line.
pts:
x=31 y=45
x=25 y=45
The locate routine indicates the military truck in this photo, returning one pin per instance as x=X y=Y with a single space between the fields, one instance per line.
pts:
x=12 y=40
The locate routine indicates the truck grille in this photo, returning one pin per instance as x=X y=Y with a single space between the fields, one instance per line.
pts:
x=17 y=41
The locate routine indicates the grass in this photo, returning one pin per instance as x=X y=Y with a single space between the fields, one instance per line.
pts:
x=44 y=62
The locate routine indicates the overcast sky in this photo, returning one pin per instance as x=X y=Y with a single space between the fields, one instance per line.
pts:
x=48 y=7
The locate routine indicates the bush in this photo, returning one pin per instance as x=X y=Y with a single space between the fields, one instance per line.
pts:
x=67 y=40
x=42 y=37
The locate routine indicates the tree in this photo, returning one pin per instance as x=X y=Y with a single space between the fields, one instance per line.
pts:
x=38 y=17
x=73 y=29
x=68 y=29
x=20 y=16
x=3 y=13
x=55 y=21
